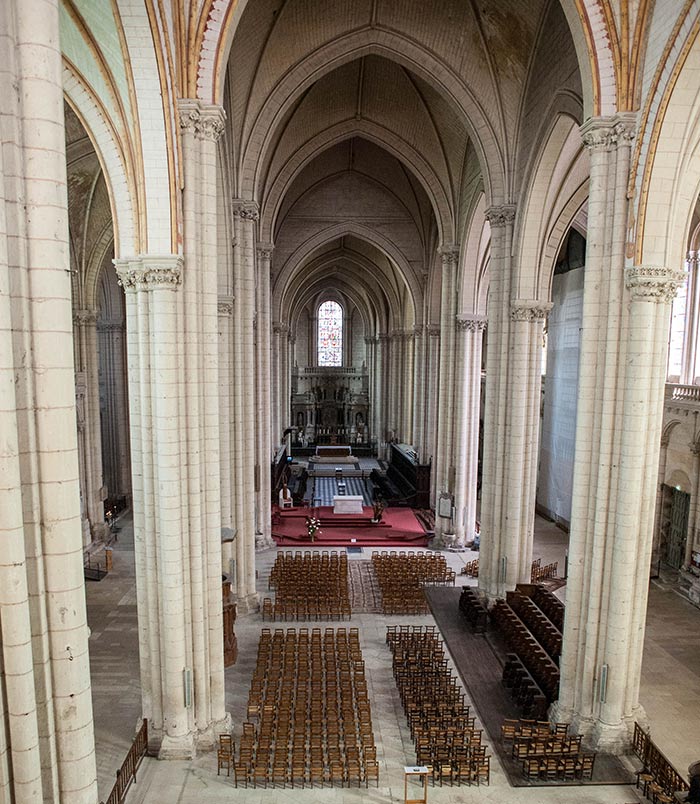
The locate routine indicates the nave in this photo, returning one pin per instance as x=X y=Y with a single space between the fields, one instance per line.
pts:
x=670 y=684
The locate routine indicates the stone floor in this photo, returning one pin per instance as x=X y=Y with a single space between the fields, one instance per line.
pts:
x=670 y=693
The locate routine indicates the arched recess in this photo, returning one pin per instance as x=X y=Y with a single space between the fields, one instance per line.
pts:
x=558 y=173
x=114 y=160
x=670 y=178
x=358 y=283
x=303 y=252
x=353 y=46
x=473 y=281
x=380 y=136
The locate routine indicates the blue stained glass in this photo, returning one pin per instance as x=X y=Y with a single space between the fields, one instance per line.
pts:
x=330 y=334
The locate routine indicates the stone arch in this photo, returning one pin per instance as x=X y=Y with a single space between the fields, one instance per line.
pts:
x=114 y=160
x=382 y=137
x=670 y=179
x=396 y=48
x=544 y=193
x=332 y=232
x=472 y=298
x=556 y=238
x=375 y=316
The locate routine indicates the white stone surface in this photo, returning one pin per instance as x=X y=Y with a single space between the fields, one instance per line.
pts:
x=349 y=504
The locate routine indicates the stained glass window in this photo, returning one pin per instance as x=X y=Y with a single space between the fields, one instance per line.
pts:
x=330 y=334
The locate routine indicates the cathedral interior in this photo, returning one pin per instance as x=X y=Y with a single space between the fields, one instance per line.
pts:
x=441 y=259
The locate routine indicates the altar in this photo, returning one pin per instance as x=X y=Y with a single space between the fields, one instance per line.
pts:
x=347 y=504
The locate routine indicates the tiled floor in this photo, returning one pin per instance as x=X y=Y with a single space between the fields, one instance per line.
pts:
x=670 y=693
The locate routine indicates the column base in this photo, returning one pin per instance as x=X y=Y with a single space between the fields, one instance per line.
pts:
x=607 y=738
x=264 y=542
x=246 y=604
x=208 y=738
x=181 y=747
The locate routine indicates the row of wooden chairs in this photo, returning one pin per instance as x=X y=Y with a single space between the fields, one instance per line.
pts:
x=401 y=578
x=444 y=734
x=523 y=688
x=308 y=586
x=524 y=747
x=521 y=641
x=523 y=727
x=309 y=697
x=540 y=573
x=549 y=603
x=471 y=569
x=579 y=766
x=473 y=609
x=541 y=627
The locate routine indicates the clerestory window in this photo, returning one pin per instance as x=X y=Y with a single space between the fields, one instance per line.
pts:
x=330 y=334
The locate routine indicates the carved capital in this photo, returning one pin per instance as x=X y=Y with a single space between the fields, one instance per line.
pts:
x=84 y=317
x=653 y=284
x=280 y=328
x=245 y=210
x=500 y=215
x=449 y=253
x=264 y=250
x=529 y=310
x=471 y=323
x=148 y=272
x=606 y=133
x=225 y=306
x=433 y=331
x=203 y=121
x=693 y=446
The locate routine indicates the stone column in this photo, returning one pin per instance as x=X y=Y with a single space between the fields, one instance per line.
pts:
x=370 y=347
x=492 y=563
x=46 y=725
x=278 y=331
x=114 y=416
x=692 y=307
x=470 y=332
x=225 y=312
x=431 y=400
x=621 y=380
x=443 y=468
x=88 y=419
x=383 y=392
x=263 y=400
x=245 y=217
x=419 y=398
x=407 y=384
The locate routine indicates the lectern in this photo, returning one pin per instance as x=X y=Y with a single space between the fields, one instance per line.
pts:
x=420 y=772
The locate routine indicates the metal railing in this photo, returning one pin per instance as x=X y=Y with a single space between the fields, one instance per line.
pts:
x=127 y=773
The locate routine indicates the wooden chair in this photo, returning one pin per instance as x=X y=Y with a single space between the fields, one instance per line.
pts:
x=371 y=771
x=241 y=774
x=224 y=759
x=483 y=771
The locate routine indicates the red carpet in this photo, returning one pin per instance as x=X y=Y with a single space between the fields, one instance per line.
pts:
x=398 y=528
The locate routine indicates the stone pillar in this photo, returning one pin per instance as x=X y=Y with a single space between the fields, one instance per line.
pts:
x=443 y=467
x=431 y=400
x=88 y=422
x=370 y=348
x=656 y=539
x=383 y=393
x=278 y=332
x=419 y=397
x=621 y=382
x=690 y=332
x=394 y=384
x=225 y=311
x=46 y=726
x=470 y=333
x=263 y=398
x=245 y=217
x=492 y=564
x=114 y=415
x=407 y=381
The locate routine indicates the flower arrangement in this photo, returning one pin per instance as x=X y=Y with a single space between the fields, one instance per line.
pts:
x=313 y=527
